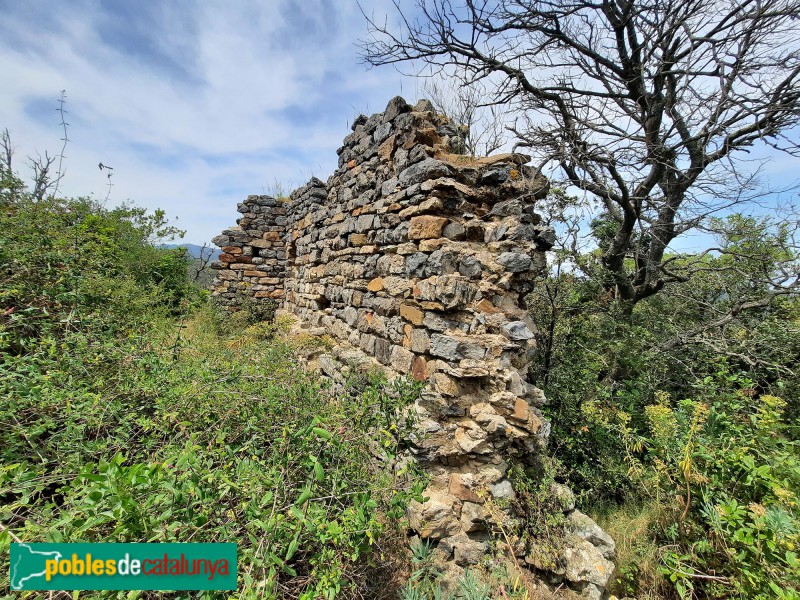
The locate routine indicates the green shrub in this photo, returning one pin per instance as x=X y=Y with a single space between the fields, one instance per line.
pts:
x=130 y=415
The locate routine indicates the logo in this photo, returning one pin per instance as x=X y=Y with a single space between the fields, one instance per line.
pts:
x=123 y=566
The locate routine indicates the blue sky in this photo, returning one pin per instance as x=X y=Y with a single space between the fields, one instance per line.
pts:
x=195 y=105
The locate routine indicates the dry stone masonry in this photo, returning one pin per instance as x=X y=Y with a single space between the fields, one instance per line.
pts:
x=419 y=259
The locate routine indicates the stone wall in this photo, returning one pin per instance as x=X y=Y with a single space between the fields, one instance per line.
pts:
x=419 y=259
x=253 y=260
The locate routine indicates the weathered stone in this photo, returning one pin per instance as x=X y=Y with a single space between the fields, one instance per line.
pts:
x=454 y=349
x=474 y=516
x=502 y=489
x=585 y=528
x=401 y=359
x=448 y=290
x=464 y=487
x=415 y=264
x=383 y=350
x=494 y=176
x=514 y=261
x=454 y=231
x=376 y=285
x=430 y=168
x=424 y=106
x=444 y=384
x=521 y=410
x=420 y=341
x=425 y=227
x=411 y=313
x=469 y=266
x=433 y=519
x=396 y=106
x=358 y=239
x=585 y=564
x=419 y=369
x=396 y=285
x=518 y=331
x=471 y=440
x=468 y=551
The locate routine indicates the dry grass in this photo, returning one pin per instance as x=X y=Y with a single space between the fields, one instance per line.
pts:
x=631 y=526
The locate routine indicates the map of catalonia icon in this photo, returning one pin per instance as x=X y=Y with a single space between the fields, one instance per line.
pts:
x=120 y=566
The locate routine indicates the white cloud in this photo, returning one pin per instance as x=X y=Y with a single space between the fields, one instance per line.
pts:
x=194 y=105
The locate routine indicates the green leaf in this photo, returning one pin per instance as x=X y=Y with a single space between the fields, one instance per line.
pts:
x=323 y=433
x=305 y=495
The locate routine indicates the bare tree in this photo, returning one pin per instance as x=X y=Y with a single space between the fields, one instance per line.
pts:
x=199 y=270
x=648 y=105
x=6 y=150
x=42 y=180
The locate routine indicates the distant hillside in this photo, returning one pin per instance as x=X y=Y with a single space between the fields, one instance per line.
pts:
x=195 y=251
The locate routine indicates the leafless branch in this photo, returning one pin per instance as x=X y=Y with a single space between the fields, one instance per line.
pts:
x=650 y=106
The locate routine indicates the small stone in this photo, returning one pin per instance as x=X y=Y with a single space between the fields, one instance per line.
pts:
x=452 y=349
x=424 y=106
x=396 y=106
x=383 y=351
x=382 y=132
x=487 y=307
x=430 y=168
x=454 y=231
x=446 y=386
x=463 y=487
x=396 y=286
x=431 y=245
x=435 y=518
x=585 y=563
x=419 y=369
x=401 y=359
x=427 y=227
x=585 y=528
x=470 y=552
x=518 y=331
x=502 y=489
x=515 y=262
x=472 y=440
x=411 y=313
x=415 y=264
x=473 y=516
x=420 y=341
x=521 y=410
x=469 y=266
x=495 y=176
x=376 y=285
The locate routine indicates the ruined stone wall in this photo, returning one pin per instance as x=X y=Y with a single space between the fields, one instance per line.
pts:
x=419 y=259
x=253 y=259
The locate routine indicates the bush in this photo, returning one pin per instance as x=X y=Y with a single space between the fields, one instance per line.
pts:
x=131 y=416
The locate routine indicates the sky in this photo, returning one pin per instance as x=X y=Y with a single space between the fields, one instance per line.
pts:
x=195 y=105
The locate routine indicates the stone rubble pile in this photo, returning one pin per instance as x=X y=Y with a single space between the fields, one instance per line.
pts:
x=419 y=259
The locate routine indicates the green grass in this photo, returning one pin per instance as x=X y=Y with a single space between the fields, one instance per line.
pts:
x=229 y=442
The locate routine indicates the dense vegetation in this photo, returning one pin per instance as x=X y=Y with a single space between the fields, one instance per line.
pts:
x=131 y=411
x=676 y=418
